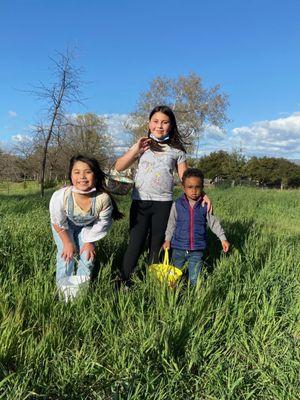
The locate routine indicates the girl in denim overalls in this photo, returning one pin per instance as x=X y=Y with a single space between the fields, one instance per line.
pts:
x=80 y=216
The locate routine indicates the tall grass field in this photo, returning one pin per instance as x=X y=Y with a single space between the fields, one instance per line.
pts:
x=235 y=336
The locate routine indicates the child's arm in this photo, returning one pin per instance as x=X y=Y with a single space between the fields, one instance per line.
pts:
x=60 y=224
x=225 y=245
x=207 y=201
x=91 y=234
x=68 y=246
x=181 y=168
x=56 y=208
x=170 y=227
x=167 y=244
x=132 y=154
x=216 y=228
x=99 y=229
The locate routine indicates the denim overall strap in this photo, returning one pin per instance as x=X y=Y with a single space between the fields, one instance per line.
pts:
x=81 y=220
x=93 y=208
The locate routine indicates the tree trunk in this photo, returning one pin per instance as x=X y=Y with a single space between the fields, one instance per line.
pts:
x=50 y=131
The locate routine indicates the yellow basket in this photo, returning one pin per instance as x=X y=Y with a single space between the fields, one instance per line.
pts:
x=165 y=272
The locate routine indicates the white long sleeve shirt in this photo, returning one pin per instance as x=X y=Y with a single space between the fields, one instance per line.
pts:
x=58 y=214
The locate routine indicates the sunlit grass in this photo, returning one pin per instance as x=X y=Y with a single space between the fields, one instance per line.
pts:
x=236 y=336
x=21 y=188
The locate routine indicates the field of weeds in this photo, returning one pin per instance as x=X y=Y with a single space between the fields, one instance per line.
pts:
x=235 y=336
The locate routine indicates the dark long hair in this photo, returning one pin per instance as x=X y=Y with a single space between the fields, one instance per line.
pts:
x=99 y=177
x=175 y=139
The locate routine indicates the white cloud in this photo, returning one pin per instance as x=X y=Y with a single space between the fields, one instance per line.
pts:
x=12 y=114
x=72 y=116
x=214 y=132
x=21 y=138
x=272 y=138
x=116 y=129
x=279 y=137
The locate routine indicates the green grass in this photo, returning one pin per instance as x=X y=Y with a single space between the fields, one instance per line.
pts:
x=236 y=336
x=22 y=188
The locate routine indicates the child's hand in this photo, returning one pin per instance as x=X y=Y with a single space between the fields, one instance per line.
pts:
x=68 y=251
x=166 y=245
x=143 y=144
x=209 y=204
x=89 y=248
x=225 y=245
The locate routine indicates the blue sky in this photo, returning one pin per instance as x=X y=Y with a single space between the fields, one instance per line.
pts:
x=250 y=48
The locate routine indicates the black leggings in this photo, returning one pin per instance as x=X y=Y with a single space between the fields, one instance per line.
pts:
x=146 y=217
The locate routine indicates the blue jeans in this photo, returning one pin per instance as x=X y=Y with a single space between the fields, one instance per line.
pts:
x=67 y=268
x=194 y=260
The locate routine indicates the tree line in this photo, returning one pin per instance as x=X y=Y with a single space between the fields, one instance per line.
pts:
x=261 y=171
x=220 y=165
x=86 y=133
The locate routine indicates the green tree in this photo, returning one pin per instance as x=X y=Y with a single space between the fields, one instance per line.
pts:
x=222 y=163
x=273 y=171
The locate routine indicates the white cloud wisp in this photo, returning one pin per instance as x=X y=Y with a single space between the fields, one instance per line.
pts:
x=12 y=114
x=276 y=138
x=272 y=138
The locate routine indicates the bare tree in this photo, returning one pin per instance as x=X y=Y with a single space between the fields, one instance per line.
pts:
x=28 y=157
x=9 y=167
x=194 y=105
x=57 y=96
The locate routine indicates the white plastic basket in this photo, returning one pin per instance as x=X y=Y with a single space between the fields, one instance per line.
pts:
x=70 y=285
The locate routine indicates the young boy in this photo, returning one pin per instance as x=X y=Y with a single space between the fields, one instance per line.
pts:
x=186 y=230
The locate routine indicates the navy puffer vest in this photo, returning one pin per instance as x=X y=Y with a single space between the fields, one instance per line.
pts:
x=190 y=231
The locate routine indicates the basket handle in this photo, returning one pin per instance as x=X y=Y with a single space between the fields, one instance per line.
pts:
x=112 y=168
x=166 y=258
x=112 y=171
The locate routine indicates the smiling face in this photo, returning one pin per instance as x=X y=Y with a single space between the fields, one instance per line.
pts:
x=82 y=176
x=192 y=187
x=159 y=125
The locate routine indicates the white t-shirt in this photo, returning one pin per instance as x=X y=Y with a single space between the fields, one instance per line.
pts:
x=154 y=178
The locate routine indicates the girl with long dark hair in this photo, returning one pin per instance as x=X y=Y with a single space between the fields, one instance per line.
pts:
x=81 y=214
x=159 y=154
